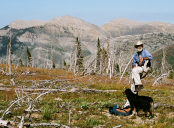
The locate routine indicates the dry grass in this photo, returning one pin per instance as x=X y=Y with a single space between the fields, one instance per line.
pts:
x=89 y=109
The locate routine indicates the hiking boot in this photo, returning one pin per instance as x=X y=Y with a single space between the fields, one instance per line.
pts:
x=138 y=87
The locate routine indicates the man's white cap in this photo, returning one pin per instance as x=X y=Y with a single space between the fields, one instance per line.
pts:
x=139 y=43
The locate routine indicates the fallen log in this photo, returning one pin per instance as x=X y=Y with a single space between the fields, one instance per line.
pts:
x=159 y=78
x=58 y=90
x=4 y=123
x=29 y=89
x=95 y=90
x=156 y=105
x=22 y=122
x=46 y=124
x=118 y=126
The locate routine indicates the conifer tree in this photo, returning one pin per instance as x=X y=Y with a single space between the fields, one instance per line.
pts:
x=64 y=63
x=29 y=57
x=79 y=56
x=20 y=62
x=98 y=59
x=53 y=65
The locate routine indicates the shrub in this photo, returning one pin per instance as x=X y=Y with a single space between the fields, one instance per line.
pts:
x=47 y=112
x=105 y=104
x=84 y=105
x=93 y=122
x=171 y=75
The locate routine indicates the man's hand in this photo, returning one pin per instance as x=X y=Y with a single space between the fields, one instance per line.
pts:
x=133 y=66
x=141 y=61
x=146 y=58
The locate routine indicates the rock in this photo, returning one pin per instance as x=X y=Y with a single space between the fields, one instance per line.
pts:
x=171 y=115
x=58 y=99
x=36 y=115
x=73 y=89
x=118 y=126
x=138 y=120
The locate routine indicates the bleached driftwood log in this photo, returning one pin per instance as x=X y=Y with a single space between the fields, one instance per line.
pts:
x=60 y=90
x=32 y=90
x=118 y=126
x=46 y=124
x=22 y=122
x=156 y=105
x=4 y=123
x=95 y=90
x=159 y=78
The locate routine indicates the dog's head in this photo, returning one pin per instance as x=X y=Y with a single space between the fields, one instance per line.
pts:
x=128 y=92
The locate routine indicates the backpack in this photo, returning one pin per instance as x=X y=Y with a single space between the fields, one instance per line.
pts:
x=116 y=110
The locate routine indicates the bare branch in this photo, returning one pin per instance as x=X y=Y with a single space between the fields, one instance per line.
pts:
x=16 y=101
x=159 y=78
x=126 y=68
x=22 y=122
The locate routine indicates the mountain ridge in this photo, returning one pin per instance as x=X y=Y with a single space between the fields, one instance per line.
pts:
x=121 y=21
x=61 y=32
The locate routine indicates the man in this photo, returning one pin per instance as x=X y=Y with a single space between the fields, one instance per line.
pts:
x=140 y=64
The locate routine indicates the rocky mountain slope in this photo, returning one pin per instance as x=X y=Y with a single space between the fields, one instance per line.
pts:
x=168 y=52
x=54 y=39
x=120 y=27
x=58 y=34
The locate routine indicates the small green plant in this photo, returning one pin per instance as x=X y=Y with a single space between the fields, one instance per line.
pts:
x=47 y=112
x=84 y=105
x=93 y=122
x=171 y=75
x=105 y=104
x=162 y=119
x=76 y=117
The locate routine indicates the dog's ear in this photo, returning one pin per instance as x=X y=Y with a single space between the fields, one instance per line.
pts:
x=124 y=92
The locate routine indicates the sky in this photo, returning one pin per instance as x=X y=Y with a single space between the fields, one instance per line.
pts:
x=96 y=12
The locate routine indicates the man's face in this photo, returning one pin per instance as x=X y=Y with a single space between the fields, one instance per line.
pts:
x=139 y=48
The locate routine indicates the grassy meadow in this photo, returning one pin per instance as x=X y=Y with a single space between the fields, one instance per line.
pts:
x=77 y=107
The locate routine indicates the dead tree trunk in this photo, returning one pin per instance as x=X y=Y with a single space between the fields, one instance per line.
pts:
x=52 y=60
x=109 y=63
x=108 y=52
x=120 y=62
x=126 y=68
x=163 y=63
x=75 y=62
x=9 y=55
x=113 y=64
x=71 y=62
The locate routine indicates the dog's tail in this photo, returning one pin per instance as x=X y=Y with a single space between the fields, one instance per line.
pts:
x=151 y=108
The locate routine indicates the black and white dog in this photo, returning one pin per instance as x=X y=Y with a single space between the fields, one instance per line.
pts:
x=137 y=102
